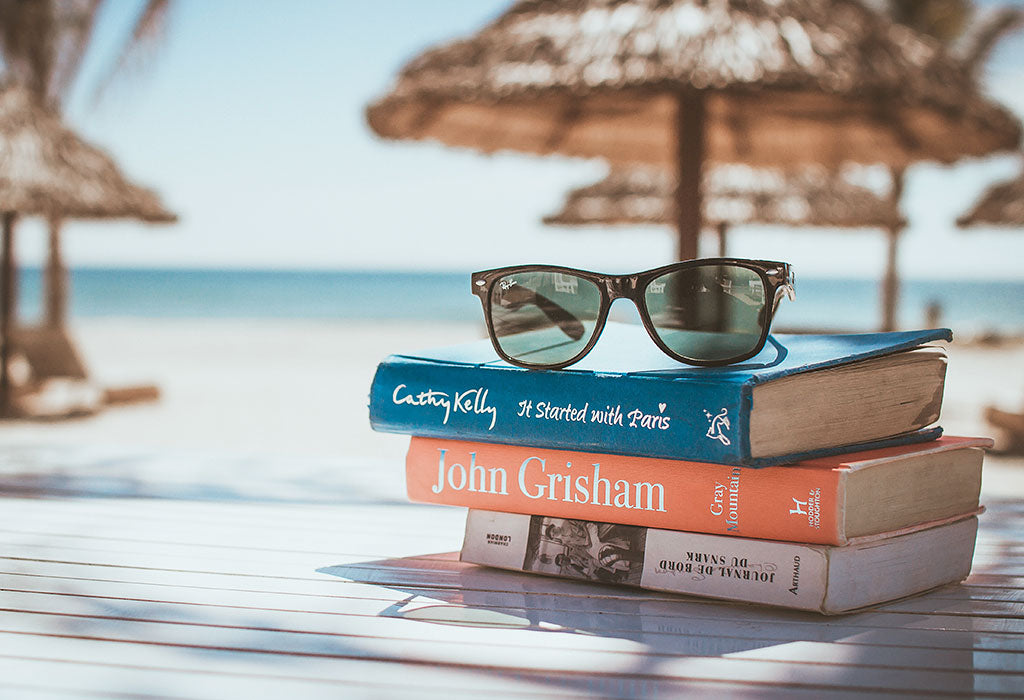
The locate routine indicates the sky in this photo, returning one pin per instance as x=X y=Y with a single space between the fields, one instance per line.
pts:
x=248 y=119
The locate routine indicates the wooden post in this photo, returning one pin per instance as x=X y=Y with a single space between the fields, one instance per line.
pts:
x=8 y=300
x=56 y=279
x=891 y=278
x=690 y=135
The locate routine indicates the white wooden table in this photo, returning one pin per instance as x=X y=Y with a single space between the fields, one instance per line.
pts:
x=132 y=575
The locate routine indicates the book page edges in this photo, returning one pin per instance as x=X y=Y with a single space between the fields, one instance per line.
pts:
x=911 y=341
x=848 y=402
x=886 y=455
x=866 y=539
x=923 y=566
x=842 y=475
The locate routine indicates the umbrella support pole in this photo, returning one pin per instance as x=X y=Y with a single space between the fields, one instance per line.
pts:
x=690 y=135
x=8 y=292
x=891 y=280
x=56 y=279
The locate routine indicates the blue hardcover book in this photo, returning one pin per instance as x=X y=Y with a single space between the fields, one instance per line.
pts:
x=802 y=396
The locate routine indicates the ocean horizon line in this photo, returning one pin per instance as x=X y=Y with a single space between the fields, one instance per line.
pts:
x=171 y=268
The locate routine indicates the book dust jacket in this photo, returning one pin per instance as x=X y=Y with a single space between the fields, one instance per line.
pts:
x=679 y=562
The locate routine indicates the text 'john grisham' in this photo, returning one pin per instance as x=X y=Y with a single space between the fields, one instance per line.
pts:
x=474 y=401
x=559 y=483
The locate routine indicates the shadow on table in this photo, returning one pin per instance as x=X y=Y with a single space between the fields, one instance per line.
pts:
x=33 y=472
x=675 y=630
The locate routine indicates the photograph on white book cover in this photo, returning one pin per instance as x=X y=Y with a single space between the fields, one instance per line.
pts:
x=585 y=550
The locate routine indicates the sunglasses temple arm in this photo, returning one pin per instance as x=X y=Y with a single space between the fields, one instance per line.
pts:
x=785 y=290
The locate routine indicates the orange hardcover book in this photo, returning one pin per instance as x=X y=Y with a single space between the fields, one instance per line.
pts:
x=828 y=500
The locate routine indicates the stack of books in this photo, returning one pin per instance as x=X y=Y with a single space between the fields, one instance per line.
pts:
x=810 y=476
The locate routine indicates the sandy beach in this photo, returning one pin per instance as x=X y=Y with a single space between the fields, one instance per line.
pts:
x=298 y=390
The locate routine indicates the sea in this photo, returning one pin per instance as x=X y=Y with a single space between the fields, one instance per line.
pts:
x=966 y=306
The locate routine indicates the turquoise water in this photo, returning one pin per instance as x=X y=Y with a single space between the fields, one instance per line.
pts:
x=159 y=293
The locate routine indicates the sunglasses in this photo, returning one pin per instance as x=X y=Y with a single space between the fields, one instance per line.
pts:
x=712 y=311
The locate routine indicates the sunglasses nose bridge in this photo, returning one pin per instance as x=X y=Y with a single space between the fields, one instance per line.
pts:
x=619 y=287
x=623 y=287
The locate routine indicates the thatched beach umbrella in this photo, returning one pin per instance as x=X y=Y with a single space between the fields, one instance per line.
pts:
x=735 y=195
x=738 y=195
x=46 y=170
x=676 y=84
x=1000 y=205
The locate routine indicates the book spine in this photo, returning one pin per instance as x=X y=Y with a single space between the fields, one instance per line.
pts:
x=794 y=503
x=704 y=421
x=754 y=571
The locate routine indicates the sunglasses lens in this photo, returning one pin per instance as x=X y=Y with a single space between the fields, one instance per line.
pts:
x=544 y=318
x=713 y=313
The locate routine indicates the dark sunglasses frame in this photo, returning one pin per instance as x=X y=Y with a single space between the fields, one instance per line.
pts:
x=777 y=278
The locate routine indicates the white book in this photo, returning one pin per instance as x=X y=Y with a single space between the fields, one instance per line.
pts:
x=826 y=579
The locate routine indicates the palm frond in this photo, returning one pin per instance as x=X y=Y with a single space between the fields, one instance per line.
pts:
x=148 y=30
x=985 y=34
x=74 y=24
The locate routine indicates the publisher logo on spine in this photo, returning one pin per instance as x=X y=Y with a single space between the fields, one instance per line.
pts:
x=809 y=508
x=717 y=425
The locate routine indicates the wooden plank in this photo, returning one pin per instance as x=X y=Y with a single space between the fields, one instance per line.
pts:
x=418 y=577
x=397 y=627
x=650 y=621
x=929 y=605
x=415 y=575
x=91 y=471
x=839 y=671
x=159 y=674
x=192 y=556
x=186 y=528
x=995 y=580
x=231 y=555
x=99 y=666
x=967 y=591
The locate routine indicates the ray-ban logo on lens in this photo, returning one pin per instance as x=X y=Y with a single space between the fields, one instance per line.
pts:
x=506 y=285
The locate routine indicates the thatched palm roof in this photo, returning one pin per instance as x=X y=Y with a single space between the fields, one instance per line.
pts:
x=784 y=82
x=735 y=195
x=1000 y=205
x=45 y=169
